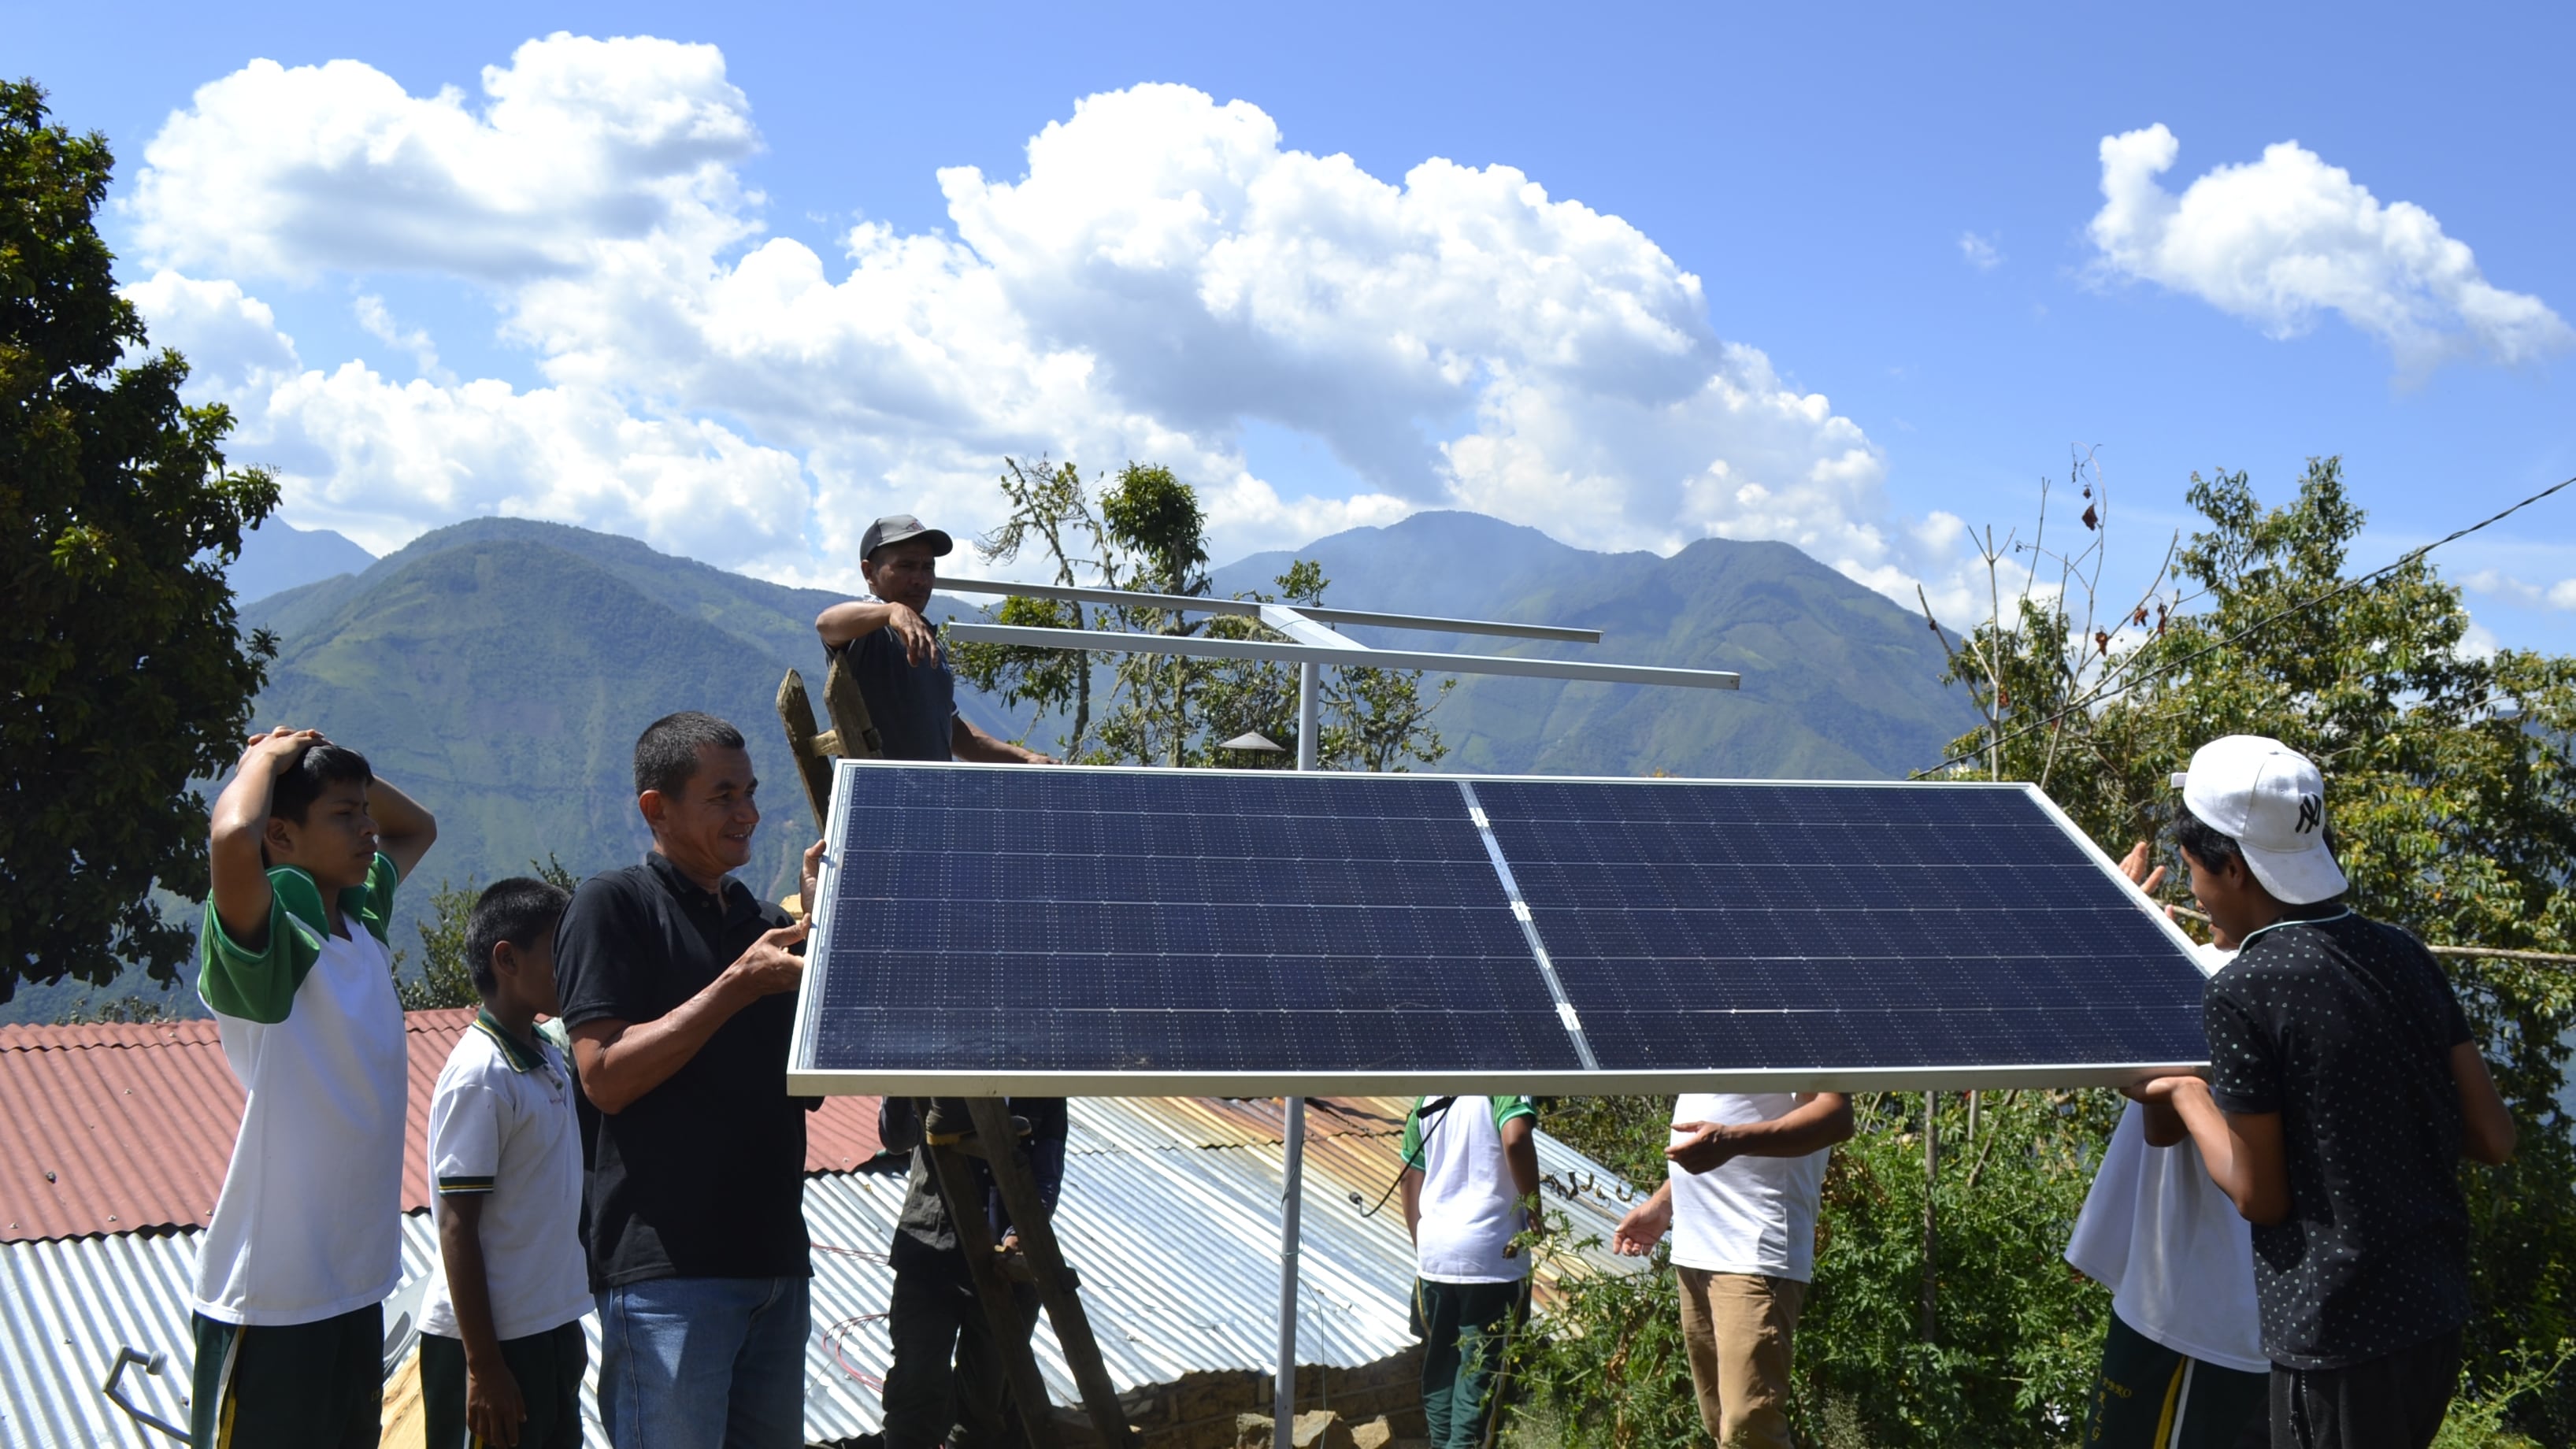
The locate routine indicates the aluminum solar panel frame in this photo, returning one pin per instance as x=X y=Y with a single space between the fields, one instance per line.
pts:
x=989 y=929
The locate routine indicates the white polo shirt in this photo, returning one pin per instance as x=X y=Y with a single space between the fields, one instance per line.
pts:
x=1748 y=1214
x=501 y=1125
x=310 y=1222
x=1469 y=1208
x=2176 y=1255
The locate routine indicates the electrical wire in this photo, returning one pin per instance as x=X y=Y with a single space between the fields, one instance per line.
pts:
x=838 y=1331
x=2106 y=690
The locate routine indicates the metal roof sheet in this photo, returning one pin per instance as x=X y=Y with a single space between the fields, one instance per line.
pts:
x=107 y=1128
x=1170 y=1211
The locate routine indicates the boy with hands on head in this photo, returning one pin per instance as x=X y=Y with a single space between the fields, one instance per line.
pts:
x=501 y=1351
x=305 y=849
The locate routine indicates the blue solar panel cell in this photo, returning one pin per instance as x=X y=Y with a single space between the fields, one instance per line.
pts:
x=1060 y=921
x=1888 y=925
x=1163 y=931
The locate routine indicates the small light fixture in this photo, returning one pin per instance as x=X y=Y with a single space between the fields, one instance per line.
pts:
x=1255 y=741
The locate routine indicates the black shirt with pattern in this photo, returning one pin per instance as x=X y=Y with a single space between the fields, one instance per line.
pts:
x=2344 y=1026
x=703 y=1176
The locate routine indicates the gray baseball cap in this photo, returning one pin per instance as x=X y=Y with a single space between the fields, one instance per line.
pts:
x=896 y=528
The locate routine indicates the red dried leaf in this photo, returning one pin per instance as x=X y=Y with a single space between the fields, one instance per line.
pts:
x=2091 y=519
x=2102 y=641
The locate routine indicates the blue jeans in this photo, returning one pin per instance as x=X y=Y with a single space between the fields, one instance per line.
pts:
x=704 y=1363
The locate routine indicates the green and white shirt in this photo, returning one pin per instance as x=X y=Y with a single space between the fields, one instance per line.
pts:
x=309 y=1225
x=1470 y=1210
x=501 y=1125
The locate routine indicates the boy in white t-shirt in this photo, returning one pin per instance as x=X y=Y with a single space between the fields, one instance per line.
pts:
x=304 y=852
x=501 y=1352
x=1740 y=1197
x=1470 y=1175
x=2182 y=1356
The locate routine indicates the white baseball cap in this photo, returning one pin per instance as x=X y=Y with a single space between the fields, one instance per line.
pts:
x=2273 y=802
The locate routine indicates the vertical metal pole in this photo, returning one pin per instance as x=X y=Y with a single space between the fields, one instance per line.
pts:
x=1931 y=1179
x=1283 y=1396
x=1309 y=677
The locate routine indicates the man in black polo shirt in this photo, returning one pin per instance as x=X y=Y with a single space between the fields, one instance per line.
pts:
x=2344 y=1089
x=677 y=987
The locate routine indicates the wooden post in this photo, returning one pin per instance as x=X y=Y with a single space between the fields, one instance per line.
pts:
x=854 y=735
x=1931 y=1226
x=796 y=712
x=1056 y=1286
x=966 y=1218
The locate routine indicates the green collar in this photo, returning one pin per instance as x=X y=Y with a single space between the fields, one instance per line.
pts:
x=297 y=891
x=521 y=1056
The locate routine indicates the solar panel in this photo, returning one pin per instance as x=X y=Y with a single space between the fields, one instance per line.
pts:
x=1137 y=932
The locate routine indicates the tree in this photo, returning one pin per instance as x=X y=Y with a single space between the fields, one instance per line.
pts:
x=1049 y=509
x=1155 y=520
x=2451 y=775
x=126 y=677
x=1147 y=534
x=2455 y=808
x=1367 y=719
x=446 y=976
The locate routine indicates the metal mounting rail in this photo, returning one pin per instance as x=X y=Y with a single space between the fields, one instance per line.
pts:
x=1321 y=654
x=1195 y=604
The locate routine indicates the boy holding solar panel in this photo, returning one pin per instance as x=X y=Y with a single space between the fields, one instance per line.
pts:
x=2344 y=1088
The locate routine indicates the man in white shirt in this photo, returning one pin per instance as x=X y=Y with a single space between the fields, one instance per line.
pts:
x=2182 y=1365
x=1470 y=1173
x=1747 y=1172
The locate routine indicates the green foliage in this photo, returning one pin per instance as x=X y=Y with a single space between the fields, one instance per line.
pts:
x=2016 y=1331
x=2451 y=782
x=2450 y=785
x=129 y=1008
x=1048 y=509
x=1148 y=535
x=126 y=678
x=446 y=976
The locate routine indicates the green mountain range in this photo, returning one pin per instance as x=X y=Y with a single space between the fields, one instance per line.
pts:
x=499 y=670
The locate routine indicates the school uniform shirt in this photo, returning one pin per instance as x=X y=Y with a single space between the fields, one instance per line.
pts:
x=704 y=1175
x=1748 y=1214
x=309 y=1225
x=2344 y=1026
x=2176 y=1255
x=1469 y=1208
x=501 y=1127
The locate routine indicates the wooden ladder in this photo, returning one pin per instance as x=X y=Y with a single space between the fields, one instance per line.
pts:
x=854 y=735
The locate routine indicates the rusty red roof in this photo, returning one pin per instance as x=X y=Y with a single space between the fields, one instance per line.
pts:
x=108 y=1128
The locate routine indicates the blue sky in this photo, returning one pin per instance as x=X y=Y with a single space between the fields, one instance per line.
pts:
x=1891 y=209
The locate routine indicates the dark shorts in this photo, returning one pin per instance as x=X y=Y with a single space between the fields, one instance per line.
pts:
x=548 y=1367
x=2395 y=1402
x=2147 y=1396
x=299 y=1386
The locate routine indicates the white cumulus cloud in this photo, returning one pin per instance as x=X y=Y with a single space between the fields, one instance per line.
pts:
x=1979 y=253
x=1164 y=270
x=2560 y=595
x=2284 y=239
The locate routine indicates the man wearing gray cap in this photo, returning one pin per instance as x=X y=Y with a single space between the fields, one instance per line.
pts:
x=2344 y=1087
x=895 y=656
x=945 y=1382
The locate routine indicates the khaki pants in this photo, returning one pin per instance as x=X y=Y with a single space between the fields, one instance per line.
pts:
x=1736 y=1327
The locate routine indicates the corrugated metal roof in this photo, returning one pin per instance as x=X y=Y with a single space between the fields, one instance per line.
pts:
x=1170 y=1211
x=109 y=1128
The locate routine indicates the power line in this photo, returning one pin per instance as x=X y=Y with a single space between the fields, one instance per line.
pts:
x=2106 y=689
